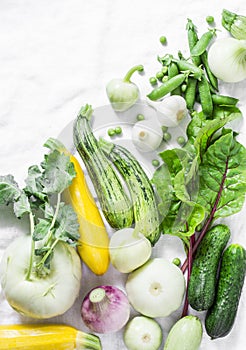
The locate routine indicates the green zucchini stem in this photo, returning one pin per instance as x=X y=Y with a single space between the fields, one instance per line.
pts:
x=86 y=112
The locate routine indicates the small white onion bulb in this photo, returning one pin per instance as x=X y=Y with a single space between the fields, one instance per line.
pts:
x=147 y=135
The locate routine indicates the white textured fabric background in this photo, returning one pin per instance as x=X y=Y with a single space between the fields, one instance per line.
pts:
x=56 y=56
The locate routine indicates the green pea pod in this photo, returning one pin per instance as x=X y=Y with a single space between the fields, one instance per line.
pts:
x=184 y=65
x=167 y=87
x=211 y=77
x=203 y=42
x=172 y=72
x=221 y=100
x=205 y=97
x=190 y=93
x=192 y=40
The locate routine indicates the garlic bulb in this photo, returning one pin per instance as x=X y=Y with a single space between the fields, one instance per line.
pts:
x=171 y=110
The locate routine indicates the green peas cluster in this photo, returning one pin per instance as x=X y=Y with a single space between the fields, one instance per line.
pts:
x=114 y=131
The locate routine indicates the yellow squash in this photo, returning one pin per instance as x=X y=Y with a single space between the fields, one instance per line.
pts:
x=94 y=240
x=46 y=337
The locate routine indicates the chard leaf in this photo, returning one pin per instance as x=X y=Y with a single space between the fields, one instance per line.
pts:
x=9 y=189
x=41 y=229
x=163 y=188
x=200 y=130
x=223 y=177
x=67 y=226
x=183 y=218
x=22 y=205
x=176 y=183
x=58 y=172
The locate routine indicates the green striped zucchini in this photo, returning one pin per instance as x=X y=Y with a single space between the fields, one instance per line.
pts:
x=221 y=316
x=142 y=194
x=114 y=202
x=202 y=283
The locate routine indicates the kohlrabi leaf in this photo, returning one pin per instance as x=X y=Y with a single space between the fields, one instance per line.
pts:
x=9 y=190
x=58 y=172
x=67 y=226
x=48 y=211
x=41 y=229
x=223 y=176
x=34 y=185
x=22 y=205
x=55 y=144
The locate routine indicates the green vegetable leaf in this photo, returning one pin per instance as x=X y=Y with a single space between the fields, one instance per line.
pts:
x=41 y=229
x=58 y=172
x=223 y=176
x=182 y=219
x=164 y=189
x=67 y=226
x=22 y=205
x=55 y=144
x=34 y=185
x=48 y=211
x=176 y=183
x=201 y=130
x=9 y=190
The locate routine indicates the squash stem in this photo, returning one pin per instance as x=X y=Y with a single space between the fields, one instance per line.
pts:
x=127 y=78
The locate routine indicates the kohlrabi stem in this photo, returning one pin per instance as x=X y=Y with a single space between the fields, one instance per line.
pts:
x=49 y=237
x=129 y=74
x=49 y=234
x=45 y=257
x=29 y=271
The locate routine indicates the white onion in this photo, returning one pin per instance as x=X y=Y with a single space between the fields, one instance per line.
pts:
x=227 y=59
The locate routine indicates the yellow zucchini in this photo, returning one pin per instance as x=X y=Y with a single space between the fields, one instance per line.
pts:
x=94 y=240
x=93 y=245
x=46 y=337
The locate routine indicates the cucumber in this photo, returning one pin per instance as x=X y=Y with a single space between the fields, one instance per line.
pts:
x=114 y=202
x=202 y=284
x=142 y=333
x=221 y=316
x=142 y=193
x=186 y=334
